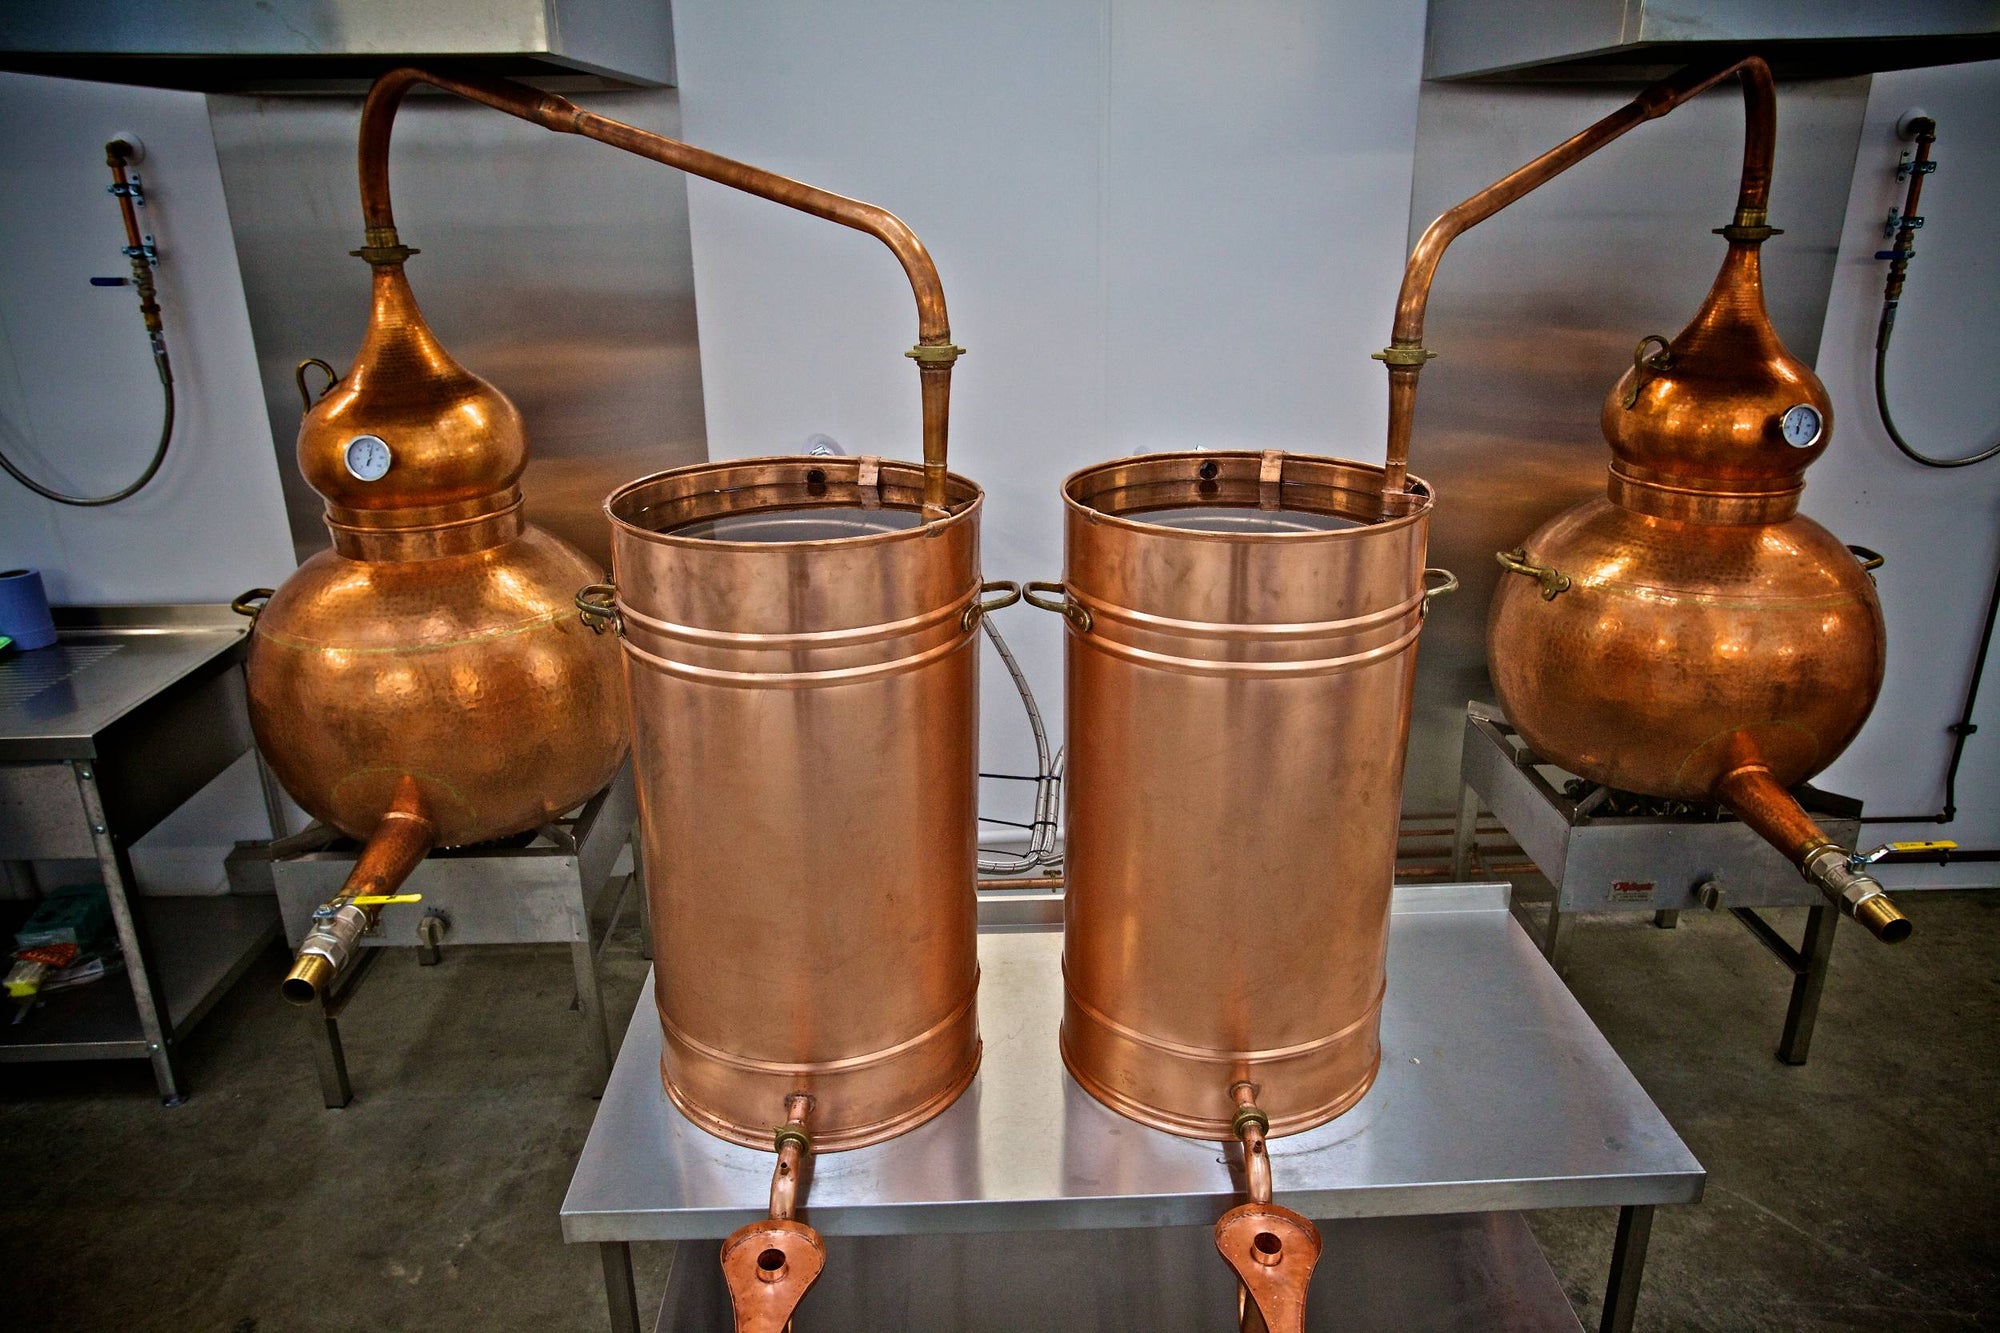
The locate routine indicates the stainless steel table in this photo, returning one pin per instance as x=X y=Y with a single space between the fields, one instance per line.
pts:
x=133 y=710
x=1496 y=1095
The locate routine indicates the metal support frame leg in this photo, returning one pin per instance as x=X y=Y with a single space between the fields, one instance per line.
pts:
x=1464 y=836
x=1803 y=1011
x=645 y=900
x=1628 y=1266
x=591 y=1003
x=619 y=1293
x=115 y=865
x=336 y=1090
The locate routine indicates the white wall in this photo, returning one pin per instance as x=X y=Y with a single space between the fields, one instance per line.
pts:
x=1159 y=225
x=80 y=403
x=1939 y=529
x=79 y=399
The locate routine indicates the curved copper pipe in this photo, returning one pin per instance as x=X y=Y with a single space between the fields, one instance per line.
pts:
x=1406 y=354
x=934 y=352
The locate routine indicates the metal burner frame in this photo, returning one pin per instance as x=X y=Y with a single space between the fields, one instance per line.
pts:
x=543 y=891
x=1663 y=864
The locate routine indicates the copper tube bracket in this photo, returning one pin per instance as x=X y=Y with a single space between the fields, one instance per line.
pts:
x=769 y=1267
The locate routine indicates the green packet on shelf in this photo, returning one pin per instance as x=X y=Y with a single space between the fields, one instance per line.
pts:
x=76 y=914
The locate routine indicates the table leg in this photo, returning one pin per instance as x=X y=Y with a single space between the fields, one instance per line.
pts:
x=113 y=863
x=1465 y=834
x=1628 y=1266
x=1816 y=951
x=1555 y=944
x=620 y=1295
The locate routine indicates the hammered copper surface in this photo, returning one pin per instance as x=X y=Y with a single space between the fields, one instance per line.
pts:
x=1238 y=706
x=805 y=736
x=438 y=638
x=1692 y=626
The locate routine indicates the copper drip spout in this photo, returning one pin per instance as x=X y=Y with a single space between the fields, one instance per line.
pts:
x=1272 y=1249
x=400 y=841
x=1759 y=801
x=934 y=352
x=1405 y=355
x=770 y=1265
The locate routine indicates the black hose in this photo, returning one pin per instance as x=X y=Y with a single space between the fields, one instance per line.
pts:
x=152 y=468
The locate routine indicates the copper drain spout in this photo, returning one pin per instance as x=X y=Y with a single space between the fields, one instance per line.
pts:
x=770 y=1265
x=934 y=353
x=1405 y=355
x=1761 y=802
x=1272 y=1248
x=400 y=842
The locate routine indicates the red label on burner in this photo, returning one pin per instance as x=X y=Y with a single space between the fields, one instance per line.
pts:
x=1632 y=888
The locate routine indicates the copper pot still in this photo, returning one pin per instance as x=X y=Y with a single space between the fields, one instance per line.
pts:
x=425 y=682
x=1240 y=653
x=1689 y=635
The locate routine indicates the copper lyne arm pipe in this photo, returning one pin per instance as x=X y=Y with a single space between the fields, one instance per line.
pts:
x=1406 y=353
x=934 y=352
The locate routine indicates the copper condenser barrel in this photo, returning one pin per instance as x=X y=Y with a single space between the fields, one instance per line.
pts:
x=1242 y=634
x=801 y=650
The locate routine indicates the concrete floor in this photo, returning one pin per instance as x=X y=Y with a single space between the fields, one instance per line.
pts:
x=1855 y=1193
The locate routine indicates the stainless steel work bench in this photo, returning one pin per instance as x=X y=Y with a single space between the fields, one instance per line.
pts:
x=1020 y=1206
x=103 y=734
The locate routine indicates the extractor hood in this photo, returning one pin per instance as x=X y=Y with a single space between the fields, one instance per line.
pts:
x=1642 y=40
x=303 y=45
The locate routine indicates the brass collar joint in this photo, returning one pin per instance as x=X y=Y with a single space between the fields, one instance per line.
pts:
x=1749 y=224
x=1404 y=354
x=383 y=246
x=928 y=354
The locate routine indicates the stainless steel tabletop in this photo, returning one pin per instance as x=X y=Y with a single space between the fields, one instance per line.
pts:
x=56 y=701
x=1496 y=1093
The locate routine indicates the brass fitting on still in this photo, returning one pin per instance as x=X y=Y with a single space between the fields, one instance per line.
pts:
x=1858 y=895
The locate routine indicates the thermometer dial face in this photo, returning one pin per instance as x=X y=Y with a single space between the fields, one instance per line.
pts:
x=1801 y=426
x=368 y=457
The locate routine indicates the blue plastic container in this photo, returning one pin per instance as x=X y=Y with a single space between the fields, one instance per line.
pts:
x=24 y=609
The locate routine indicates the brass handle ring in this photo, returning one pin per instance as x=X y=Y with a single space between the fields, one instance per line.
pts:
x=1870 y=560
x=250 y=603
x=1644 y=367
x=1553 y=581
x=982 y=606
x=307 y=396
x=1445 y=584
x=1077 y=616
x=597 y=606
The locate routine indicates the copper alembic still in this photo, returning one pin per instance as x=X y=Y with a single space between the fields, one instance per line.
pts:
x=1690 y=635
x=1240 y=653
x=438 y=677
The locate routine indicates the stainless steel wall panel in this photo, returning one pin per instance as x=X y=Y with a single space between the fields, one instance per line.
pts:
x=557 y=269
x=1536 y=312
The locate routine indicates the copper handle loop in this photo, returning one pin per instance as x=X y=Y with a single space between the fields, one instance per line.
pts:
x=1077 y=616
x=597 y=607
x=251 y=602
x=1644 y=367
x=983 y=606
x=1870 y=560
x=1446 y=585
x=1406 y=355
x=306 y=396
x=1554 y=582
x=934 y=352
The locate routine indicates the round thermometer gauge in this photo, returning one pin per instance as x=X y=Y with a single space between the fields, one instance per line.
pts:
x=368 y=456
x=1801 y=426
